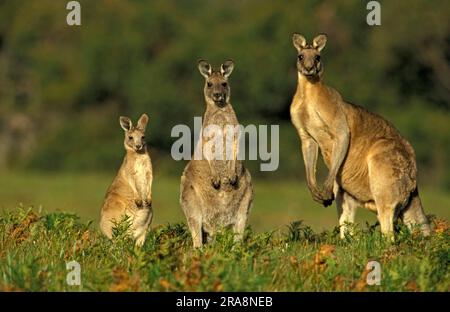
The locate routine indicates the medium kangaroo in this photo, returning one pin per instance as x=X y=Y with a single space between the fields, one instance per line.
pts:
x=130 y=193
x=370 y=164
x=216 y=193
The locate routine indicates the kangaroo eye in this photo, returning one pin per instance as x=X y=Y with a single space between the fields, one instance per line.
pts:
x=300 y=57
x=130 y=138
x=224 y=84
x=209 y=84
x=143 y=138
x=317 y=58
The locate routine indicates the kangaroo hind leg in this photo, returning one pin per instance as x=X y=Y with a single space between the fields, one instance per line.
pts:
x=190 y=204
x=242 y=214
x=346 y=208
x=389 y=187
x=413 y=215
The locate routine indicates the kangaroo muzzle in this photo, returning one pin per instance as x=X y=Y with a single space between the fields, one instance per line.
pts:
x=219 y=98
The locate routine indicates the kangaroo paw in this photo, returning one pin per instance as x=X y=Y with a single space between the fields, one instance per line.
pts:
x=215 y=182
x=139 y=203
x=323 y=197
x=327 y=196
x=234 y=180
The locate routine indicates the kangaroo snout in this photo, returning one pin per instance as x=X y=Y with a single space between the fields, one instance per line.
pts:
x=310 y=70
x=218 y=97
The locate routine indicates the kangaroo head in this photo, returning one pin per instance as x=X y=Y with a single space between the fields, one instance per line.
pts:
x=217 y=88
x=308 y=59
x=134 y=135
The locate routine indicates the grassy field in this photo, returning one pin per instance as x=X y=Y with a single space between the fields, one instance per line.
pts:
x=276 y=204
x=279 y=253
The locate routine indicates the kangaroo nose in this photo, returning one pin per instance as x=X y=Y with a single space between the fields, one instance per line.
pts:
x=217 y=95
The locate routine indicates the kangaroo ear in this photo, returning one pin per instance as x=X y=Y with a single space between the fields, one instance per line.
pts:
x=226 y=68
x=142 y=122
x=204 y=68
x=299 y=41
x=125 y=123
x=319 y=42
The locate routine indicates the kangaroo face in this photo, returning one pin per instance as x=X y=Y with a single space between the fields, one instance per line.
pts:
x=308 y=59
x=217 y=88
x=134 y=135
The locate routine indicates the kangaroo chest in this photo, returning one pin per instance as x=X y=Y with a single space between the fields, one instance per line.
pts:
x=141 y=172
x=316 y=124
x=220 y=121
x=220 y=134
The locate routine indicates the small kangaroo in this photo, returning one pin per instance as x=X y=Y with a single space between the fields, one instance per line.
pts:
x=370 y=164
x=130 y=193
x=216 y=193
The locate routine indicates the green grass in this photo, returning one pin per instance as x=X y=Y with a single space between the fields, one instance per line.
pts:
x=277 y=254
x=276 y=203
x=34 y=250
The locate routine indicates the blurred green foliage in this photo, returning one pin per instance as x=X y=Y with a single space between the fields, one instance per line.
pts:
x=63 y=88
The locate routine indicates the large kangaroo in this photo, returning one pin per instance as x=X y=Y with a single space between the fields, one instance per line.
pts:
x=370 y=164
x=130 y=194
x=216 y=193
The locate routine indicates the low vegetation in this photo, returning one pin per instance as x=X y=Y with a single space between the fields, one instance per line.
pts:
x=35 y=247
